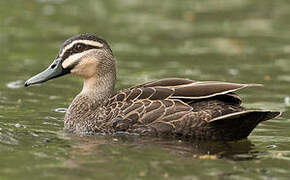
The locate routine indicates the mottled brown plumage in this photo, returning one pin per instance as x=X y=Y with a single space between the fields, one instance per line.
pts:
x=166 y=108
x=173 y=107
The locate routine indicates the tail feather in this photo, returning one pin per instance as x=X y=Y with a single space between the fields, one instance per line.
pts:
x=239 y=125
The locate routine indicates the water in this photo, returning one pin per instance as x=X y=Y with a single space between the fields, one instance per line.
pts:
x=227 y=40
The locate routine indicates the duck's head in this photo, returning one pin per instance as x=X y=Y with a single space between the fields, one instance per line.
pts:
x=84 y=55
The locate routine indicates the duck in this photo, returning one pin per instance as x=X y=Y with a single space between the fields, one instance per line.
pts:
x=172 y=107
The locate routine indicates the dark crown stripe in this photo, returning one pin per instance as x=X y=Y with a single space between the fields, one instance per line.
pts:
x=82 y=37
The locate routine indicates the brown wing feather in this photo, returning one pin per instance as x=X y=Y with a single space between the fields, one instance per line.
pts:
x=200 y=90
x=177 y=88
x=148 y=111
x=165 y=94
x=173 y=106
x=165 y=82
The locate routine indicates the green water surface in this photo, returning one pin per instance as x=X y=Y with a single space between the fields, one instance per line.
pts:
x=245 y=41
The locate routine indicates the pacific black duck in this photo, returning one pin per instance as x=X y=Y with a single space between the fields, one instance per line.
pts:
x=175 y=107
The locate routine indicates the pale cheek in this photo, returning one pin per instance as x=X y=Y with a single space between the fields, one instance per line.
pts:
x=85 y=70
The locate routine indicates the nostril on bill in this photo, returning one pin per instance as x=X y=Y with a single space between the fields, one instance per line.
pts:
x=53 y=66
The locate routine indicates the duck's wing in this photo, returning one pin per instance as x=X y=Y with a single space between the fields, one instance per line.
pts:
x=178 y=88
x=186 y=108
x=165 y=99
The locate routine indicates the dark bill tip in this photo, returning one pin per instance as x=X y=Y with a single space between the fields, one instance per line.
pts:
x=26 y=84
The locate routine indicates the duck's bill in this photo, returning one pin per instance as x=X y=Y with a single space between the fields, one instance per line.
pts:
x=53 y=71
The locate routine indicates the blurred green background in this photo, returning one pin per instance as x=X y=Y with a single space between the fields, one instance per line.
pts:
x=244 y=41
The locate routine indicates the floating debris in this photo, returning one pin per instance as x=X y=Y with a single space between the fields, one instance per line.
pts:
x=205 y=156
x=267 y=78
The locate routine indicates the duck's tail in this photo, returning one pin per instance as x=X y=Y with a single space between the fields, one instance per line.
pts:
x=239 y=125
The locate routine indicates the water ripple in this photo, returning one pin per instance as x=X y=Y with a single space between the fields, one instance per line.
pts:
x=15 y=84
x=7 y=138
x=61 y=110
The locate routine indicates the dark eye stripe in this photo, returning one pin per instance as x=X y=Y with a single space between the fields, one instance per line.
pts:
x=74 y=50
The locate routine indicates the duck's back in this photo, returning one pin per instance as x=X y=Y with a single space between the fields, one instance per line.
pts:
x=182 y=108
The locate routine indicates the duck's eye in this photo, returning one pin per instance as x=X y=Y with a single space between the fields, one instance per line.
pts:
x=80 y=47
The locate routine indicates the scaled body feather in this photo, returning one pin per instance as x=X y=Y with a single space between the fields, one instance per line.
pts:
x=175 y=107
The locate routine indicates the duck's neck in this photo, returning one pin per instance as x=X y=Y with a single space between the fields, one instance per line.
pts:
x=98 y=89
x=94 y=94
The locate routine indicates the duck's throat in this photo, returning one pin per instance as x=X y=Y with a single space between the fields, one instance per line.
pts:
x=85 y=107
x=98 y=89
